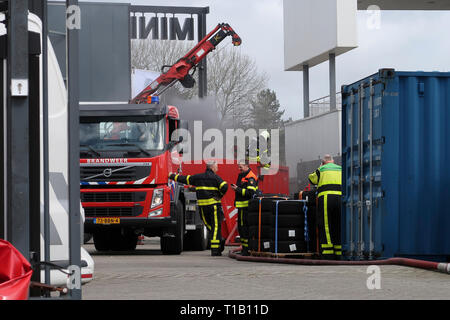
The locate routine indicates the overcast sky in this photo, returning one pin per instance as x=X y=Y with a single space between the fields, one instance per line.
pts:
x=407 y=40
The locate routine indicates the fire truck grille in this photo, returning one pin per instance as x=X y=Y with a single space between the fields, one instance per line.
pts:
x=113 y=212
x=112 y=196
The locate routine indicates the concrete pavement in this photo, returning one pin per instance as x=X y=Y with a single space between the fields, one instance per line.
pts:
x=148 y=275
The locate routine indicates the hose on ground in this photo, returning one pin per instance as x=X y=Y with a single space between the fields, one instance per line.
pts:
x=428 y=265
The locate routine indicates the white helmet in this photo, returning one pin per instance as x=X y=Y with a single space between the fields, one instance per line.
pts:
x=265 y=134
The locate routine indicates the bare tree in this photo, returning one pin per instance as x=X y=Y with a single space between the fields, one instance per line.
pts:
x=233 y=77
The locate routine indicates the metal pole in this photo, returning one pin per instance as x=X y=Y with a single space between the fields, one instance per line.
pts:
x=332 y=81
x=370 y=206
x=18 y=184
x=202 y=74
x=205 y=61
x=45 y=140
x=352 y=104
x=73 y=89
x=361 y=172
x=305 y=91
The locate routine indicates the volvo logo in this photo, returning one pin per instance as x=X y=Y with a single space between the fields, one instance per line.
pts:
x=107 y=172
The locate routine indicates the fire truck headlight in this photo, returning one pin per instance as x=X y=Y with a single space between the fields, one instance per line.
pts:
x=155 y=213
x=157 y=199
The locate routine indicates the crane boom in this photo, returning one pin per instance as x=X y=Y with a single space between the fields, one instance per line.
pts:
x=180 y=70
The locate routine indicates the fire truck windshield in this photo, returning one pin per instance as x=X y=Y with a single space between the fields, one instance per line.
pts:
x=119 y=135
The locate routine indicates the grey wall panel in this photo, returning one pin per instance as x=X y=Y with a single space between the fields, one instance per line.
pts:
x=312 y=138
x=105 y=71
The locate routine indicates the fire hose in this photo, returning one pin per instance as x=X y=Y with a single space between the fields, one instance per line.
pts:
x=422 y=264
x=406 y=262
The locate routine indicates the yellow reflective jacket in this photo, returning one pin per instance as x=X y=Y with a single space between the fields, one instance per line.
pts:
x=328 y=179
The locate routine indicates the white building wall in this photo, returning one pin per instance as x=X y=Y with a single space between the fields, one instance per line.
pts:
x=313 y=29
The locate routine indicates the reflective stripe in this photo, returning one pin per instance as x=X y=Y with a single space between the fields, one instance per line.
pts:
x=330 y=167
x=325 y=213
x=176 y=178
x=243 y=192
x=338 y=253
x=187 y=179
x=222 y=184
x=207 y=188
x=241 y=204
x=215 y=224
x=338 y=247
x=328 y=252
x=326 y=246
x=242 y=219
x=325 y=193
x=215 y=241
x=252 y=188
x=204 y=220
x=207 y=202
x=215 y=246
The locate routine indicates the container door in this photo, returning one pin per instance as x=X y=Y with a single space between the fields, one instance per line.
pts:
x=371 y=196
x=362 y=148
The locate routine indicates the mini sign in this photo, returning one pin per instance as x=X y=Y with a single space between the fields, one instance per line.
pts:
x=161 y=28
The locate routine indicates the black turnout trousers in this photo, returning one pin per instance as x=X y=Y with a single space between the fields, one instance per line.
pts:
x=212 y=217
x=329 y=225
x=243 y=227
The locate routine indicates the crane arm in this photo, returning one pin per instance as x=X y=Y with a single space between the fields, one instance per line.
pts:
x=180 y=70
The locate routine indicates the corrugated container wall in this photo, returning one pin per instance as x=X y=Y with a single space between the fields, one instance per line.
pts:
x=396 y=178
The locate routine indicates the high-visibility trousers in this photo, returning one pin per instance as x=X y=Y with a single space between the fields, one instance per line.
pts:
x=329 y=225
x=243 y=227
x=212 y=217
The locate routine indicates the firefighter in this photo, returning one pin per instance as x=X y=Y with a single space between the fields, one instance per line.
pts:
x=328 y=178
x=245 y=188
x=210 y=189
x=255 y=154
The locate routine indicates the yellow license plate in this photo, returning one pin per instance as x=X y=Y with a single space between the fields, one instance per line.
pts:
x=107 y=220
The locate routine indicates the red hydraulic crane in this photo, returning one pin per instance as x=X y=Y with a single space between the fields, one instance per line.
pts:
x=180 y=70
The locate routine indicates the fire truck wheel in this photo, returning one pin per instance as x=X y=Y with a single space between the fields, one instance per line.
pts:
x=87 y=237
x=197 y=240
x=102 y=240
x=128 y=240
x=173 y=245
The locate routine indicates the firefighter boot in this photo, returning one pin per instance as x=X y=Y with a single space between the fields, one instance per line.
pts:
x=216 y=253
x=222 y=245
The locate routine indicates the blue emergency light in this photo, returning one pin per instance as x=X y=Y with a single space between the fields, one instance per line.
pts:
x=155 y=99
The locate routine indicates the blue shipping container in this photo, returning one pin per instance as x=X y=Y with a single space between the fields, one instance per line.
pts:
x=396 y=166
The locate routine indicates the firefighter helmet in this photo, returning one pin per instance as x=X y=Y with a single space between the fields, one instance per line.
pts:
x=265 y=134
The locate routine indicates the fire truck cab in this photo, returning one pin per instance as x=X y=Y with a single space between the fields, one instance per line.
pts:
x=126 y=154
